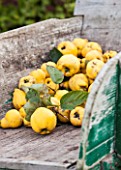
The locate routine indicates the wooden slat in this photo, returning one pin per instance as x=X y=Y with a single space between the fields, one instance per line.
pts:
x=101 y=21
x=61 y=146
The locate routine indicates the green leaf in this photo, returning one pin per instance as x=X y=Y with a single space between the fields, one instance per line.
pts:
x=8 y=101
x=40 y=88
x=72 y=99
x=32 y=94
x=29 y=109
x=55 y=54
x=56 y=75
x=46 y=100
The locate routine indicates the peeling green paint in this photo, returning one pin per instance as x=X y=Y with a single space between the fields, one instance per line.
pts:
x=118 y=115
x=104 y=127
x=100 y=132
x=99 y=152
x=81 y=151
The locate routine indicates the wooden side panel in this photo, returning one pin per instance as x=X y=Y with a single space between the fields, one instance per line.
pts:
x=101 y=21
x=100 y=124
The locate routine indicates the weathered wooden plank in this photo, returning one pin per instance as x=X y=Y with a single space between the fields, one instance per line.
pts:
x=61 y=146
x=101 y=22
x=29 y=165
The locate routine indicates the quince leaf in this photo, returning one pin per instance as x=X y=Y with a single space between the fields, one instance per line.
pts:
x=55 y=74
x=72 y=99
x=29 y=108
x=55 y=54
x=32 y=94
x=46 y=100
x=40 y=88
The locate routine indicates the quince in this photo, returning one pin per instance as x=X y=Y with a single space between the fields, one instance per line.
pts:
x=89 y=88
x=59 y=94
x=67 y=47
x=69 y=65
x=93 y=68
x=91 y=46
x=26 y=81
x=64 y=115
x=19 y=98
x=76 y=116
x=94 y=54
x=51 y=85
x=108 y=55
x=39 y=75
x=43 y=67
x=80 y=44
x=78 y=82
x=12 y=119
x=43 y=121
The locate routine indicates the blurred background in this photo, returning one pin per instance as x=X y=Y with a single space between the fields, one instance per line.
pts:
x=17 y=13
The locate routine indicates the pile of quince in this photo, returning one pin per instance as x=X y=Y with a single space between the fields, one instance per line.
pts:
x=57 y=91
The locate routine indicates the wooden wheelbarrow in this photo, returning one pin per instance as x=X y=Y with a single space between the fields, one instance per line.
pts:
x=97 y=145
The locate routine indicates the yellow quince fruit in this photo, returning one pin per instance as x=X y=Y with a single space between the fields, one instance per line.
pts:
x=12 y=119
x=76 y=116
x=43 y=121
x=67 y=47
x=78 y=82
x=108 y=55
x=26 y=81
x=59 y=94
x=93 y=68
x=94 y=54
x=22 y=112
x=19 y=98
x=69 y=65
x=51 y=85
x=90 y=87
x=44 y=65
x=63 y=115
x=39 y=75
x=80 y=44
x=91 y=46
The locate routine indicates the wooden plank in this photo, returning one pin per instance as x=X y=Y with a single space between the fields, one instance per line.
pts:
x=101 y=22
x=23 y=144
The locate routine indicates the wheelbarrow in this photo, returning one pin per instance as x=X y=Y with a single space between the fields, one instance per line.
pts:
x=97 y=144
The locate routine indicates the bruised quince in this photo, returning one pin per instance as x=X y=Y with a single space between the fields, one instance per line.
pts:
x=76 y=116
x=19 y=98
x=43 y=121
x=78 y=82
x=44 y=65
x=26 y=81
x=69 y=65
x=39 y=75
x=93 y=68
x=91 y=46
x=67 y=47
x=80 y=44
x=108 y=55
